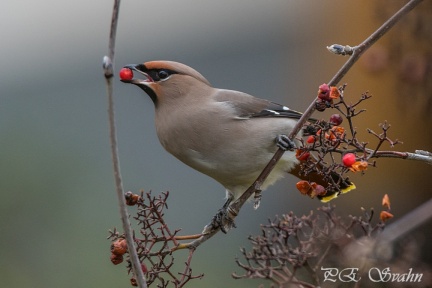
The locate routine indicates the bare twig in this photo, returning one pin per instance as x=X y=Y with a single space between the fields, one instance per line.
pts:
x=291 y=246
x=108 y=63
x=155 y=243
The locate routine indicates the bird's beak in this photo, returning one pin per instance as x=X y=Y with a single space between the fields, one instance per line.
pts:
x=144 y=83
x=137 y=81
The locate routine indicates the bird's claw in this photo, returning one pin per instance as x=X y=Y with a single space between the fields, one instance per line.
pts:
x=286 y=144
x=223 y=220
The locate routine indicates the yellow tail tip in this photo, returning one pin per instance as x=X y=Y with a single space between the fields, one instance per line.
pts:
x=326 y=199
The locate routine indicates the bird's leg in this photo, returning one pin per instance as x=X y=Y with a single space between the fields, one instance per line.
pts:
x=224 y=218
x=257 y=198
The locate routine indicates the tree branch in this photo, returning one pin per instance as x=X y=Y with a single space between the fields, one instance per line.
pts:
x=108 y=63
x=355 y=52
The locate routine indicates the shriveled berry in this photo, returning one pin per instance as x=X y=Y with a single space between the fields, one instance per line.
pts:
x=319 y=190
x=116 y=259
x=126 y=74
x=119 y=247
x=131 y=198
x=349 y=159
x=336 y=132
x=134 y=282
x=321 y=105
x=336 y=119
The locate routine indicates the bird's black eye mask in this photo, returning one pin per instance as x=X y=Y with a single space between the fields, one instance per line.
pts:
x=155 y=74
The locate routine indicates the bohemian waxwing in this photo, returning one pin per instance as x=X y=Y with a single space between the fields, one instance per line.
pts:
x=227 y=135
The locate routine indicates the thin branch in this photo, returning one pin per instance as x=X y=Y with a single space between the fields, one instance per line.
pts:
x=417 y=155
x=108 y=63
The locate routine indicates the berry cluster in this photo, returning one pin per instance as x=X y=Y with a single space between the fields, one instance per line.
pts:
x=155 y=243
x=333 y=151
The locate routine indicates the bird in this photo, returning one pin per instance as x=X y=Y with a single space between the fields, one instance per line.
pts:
x=225 y=134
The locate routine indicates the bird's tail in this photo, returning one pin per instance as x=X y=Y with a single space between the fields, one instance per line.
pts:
x=342 y=185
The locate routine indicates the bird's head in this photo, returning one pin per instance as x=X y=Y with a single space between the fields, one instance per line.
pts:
x=163 y=79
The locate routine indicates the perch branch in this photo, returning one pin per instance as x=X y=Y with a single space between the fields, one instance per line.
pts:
x=355 y=53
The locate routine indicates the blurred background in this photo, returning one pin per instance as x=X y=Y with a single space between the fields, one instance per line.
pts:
x=57 y=195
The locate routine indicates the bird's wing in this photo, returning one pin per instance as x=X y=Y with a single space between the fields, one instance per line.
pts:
x=247 y=106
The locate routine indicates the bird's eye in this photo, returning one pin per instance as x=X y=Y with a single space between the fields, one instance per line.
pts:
x=163 y=74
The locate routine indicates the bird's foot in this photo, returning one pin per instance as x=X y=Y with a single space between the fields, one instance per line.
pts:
x=223 y=220
x=286 y=144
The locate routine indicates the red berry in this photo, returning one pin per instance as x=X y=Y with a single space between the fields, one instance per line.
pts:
x=144 y=268
x=324 y=92
x=310 y=139
x=336 y=119
x=126 y=74
x=302 y=155
x=349 y=159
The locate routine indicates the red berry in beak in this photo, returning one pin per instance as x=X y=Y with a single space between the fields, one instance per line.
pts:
x=126 y=74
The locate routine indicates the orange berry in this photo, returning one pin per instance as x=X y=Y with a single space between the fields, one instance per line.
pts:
x=334 y=92
x=304 y=187
x=359 y=166
x=384 y=216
